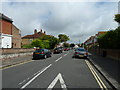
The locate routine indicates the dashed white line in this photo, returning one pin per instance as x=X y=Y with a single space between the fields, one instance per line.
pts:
x=58 y=59
x=65 y=55
x=35 y=76
x=22 y=82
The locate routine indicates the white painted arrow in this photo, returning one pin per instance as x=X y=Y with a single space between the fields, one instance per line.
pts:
x=59 y=77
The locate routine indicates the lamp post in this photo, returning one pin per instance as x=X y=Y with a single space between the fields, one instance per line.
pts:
x=119 y=11
x=98 y=49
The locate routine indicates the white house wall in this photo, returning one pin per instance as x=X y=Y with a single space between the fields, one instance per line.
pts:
x=6 y=41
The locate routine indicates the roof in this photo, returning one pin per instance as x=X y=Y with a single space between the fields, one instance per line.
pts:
x=36 y=35
x=3 y=17
x=102 y=32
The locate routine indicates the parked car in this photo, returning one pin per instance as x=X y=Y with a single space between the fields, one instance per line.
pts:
x=41 y=53
x=80 y=52
x=66 y=49
x=58 y=50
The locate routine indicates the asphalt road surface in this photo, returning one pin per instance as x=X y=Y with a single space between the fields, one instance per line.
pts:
x=60 y=71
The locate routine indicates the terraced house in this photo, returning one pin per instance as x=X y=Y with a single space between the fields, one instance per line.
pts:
x=28 y=38
x=93 y=39
x=10 y=35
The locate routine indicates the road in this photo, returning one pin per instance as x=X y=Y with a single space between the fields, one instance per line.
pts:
x=59 y=71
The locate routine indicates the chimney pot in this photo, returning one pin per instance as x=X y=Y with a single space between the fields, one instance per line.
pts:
x=44 y=32
x=35 y=31
x=41 y=30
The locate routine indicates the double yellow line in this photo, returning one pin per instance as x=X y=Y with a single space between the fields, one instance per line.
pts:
x=98 y=79
x=17 y=64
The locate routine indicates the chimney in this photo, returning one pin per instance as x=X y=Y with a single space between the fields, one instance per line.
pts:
x=44 y=32
x=35 y=31
x=41 y=30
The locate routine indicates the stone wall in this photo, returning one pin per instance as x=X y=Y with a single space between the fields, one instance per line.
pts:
x=12 y=53
x=15 y=50
x=10 y=56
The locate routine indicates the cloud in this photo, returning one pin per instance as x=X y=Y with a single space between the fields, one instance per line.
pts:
x=79 y=20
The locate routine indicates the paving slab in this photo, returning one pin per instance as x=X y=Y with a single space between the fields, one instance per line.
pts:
x=108 y=67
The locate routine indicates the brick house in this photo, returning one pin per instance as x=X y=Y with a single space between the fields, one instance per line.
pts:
x=5 y=31
x=28 y=38
x=10 y=36
x=93 y=39
x=16 y=38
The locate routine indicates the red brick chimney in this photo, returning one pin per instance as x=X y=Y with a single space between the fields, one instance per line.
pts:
x=41 y=30
x=44 y=32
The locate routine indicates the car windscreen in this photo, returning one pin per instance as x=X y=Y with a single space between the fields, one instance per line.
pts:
x=80 y=49
x=57 y=48
x=39 y=50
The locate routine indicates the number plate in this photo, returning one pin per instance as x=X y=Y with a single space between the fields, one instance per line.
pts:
x=37 y=53
x=81 y=56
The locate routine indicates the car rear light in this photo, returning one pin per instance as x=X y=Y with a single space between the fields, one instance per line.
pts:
x=76 y=53
x=86 y=53
x=42 y=53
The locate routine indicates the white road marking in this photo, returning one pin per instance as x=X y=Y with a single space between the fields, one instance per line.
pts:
x=65 y=55
x=22 y=82
x=30 y=77
x=36 y=76
x=58 y=59
x=59 y=77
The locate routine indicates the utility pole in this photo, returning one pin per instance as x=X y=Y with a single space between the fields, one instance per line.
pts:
x=79 y=42
x=119 y=7
x=118 y=11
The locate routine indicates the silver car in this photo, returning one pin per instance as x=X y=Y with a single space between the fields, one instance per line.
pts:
x=80 y=52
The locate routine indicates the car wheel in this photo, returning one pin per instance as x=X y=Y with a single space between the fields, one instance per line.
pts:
x=85 y=57
x=45 y=56
x=73 y=56
x=50 y=55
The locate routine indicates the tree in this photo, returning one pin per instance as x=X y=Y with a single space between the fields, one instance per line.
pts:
x=117 y=18
x=72 y=45
x=63 y=37
x=66 y=44
x=37 y=43
x=110 y=40
x=53 y=41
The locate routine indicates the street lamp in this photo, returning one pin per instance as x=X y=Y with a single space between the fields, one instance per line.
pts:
x=98 y=48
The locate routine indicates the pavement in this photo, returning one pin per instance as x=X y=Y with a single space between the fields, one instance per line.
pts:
x=59 y=71
x=109 y=68
x=15 y=60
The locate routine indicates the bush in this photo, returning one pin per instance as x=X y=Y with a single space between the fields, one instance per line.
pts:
x=110 y=40
x=41 y=43
x=66 y=44
x=27 y=46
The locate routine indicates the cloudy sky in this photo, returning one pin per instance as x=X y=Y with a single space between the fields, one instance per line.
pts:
x=78 y=20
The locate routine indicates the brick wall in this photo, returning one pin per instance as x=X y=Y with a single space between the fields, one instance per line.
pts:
x=6 y=27
x=26 y=41
x=15 y=50
x=16 y=39
x=109 y=53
